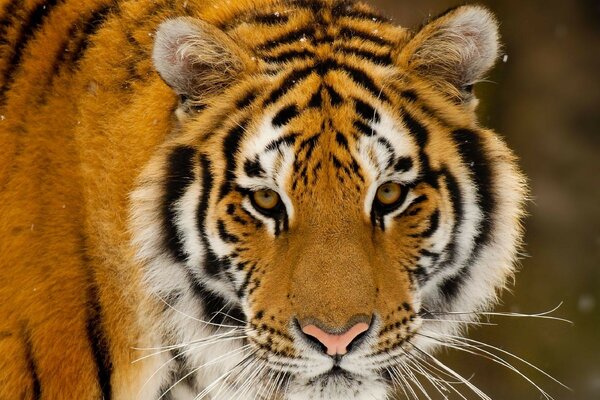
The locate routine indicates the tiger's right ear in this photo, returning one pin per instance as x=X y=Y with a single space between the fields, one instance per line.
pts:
x=196 y=59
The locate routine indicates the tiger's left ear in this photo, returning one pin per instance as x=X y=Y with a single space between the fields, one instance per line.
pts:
x=196 y=59
x=454 y=50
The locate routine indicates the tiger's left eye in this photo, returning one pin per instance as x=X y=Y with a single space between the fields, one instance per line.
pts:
x=389 y=193
x=266 y=199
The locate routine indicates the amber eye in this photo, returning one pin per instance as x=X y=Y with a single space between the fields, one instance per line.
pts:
x=389 y=193
x=266 y=199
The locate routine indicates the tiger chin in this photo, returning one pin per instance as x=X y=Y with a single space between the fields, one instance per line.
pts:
x=272 y=199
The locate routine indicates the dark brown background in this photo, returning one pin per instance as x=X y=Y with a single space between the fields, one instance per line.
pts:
x=545 y=100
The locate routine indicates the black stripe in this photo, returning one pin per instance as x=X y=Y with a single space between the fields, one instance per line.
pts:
x=287 y=38
x=356 y=169
x=98 y=340
x=289 y=55
x=366 y=111
x=316 y=99
x=383 y=59
x=350 y=33
x=363 y=128
x=421 y=135
x=247 y=279
x=8 y=16
x=27 y=32
x=246 y=100
x=212 y=264
x=287 y=140
x=252 y=168
x=224 y=233
x=341 y=140
x=417 y=130
x=270 y=19
x=217 y=307
x=180 y=174
x=473 y=155
x=285 y=115
x=456 y=200
x=403 y=164
x=31 y=365
x=434 y=223
x=390 y=149
x=289 y=82
x=344 y=10
x=231 y=145
x=91 y=26
x=449 y=287
x=309 y=144
x=334 y=97
x=363 y=79
x=410 y=95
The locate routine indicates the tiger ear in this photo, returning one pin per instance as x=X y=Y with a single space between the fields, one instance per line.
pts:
x=454 y=50
x=195 y=58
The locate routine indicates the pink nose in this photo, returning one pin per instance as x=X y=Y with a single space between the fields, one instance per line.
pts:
x=336 y=344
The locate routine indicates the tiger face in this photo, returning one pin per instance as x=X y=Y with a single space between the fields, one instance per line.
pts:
x=326 y=199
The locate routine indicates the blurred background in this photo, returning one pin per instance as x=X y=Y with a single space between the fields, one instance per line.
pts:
x=545 y=100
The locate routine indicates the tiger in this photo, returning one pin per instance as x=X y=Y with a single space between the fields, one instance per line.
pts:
x=250 y=199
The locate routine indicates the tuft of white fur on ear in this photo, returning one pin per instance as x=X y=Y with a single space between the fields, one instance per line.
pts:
x=195 y=58
x=454 y=50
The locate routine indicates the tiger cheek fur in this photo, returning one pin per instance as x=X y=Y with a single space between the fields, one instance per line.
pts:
x=270 y=196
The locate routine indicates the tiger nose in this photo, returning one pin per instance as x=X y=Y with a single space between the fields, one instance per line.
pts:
x=336 y=343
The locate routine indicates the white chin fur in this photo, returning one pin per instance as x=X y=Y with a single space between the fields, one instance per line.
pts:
x=338 y=389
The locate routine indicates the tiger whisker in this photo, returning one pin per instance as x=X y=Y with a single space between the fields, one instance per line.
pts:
x=220 y=379
x=541 y=315
x=418 y=384
x=437 y=371
x=502 y=362
x=455 y=374
x=255 y=376
x=458 y=321
x=231 y=317
x=440 y=384
x=210 y=338
x=489 y=346
x=248 y=373
x=196 y=369
x=406 y=383
x=476 y=350
x=194 y=318
x=194 y=346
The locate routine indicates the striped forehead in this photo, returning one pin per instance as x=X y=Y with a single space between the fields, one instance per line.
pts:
x=374 y=147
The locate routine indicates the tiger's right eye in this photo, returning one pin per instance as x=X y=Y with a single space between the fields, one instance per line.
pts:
x=389 y=193
x=266 y=199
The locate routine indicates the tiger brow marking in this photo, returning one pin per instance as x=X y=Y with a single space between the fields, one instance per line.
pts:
x=231 y=145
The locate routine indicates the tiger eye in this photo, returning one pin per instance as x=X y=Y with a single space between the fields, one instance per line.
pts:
x=266 y=199
x=389 y=193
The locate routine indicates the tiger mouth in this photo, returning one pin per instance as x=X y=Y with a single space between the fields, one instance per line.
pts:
x=336 y=373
